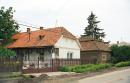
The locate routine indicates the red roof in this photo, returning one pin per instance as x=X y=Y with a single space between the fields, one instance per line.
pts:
x=39 y=38
x=93 y=45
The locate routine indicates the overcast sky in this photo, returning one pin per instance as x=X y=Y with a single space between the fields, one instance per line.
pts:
x=72 y=14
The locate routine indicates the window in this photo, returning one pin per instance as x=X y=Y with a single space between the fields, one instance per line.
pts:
x=56 y=52
x=41 y=37
x=69 y=55
x=104 y=57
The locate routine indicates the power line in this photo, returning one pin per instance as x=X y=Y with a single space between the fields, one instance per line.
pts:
x=25 y=22
x=27 y=25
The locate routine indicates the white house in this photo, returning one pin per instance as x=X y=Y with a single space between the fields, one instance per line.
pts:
x=38 y=48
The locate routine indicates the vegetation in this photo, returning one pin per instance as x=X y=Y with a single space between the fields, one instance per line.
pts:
x=10 y=75
x=92 y=29
x=6 y=52
x=85 y=68
x=123 y=64
x=8 y=26
x=120 y=53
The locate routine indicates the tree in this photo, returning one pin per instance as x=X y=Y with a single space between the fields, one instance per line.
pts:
x=92 y=29
x=120 y=53
x=6 y=52
x=8 y=26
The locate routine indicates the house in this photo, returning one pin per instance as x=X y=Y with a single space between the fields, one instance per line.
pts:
x=121 y=43
x=94 y=51
x=45 y=48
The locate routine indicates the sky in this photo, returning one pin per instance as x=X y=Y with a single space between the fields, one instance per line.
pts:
x=72 y=14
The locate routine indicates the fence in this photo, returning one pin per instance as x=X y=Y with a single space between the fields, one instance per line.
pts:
x=48 y=65
x=35 y=66
x=8 y=64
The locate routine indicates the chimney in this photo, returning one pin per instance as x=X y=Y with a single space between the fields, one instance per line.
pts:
x=28 y=30
x=41 y=28
x=118 y=42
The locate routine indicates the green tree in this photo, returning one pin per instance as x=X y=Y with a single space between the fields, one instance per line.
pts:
x=6 y=52
x=92 y=29
x=8 y=26
x=120 y=53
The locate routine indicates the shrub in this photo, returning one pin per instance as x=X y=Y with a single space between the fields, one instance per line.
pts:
x=65 y=69
x=85 y=68
x=120 y=53
x=123 y=64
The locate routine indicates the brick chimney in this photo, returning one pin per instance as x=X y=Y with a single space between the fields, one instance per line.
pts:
x=28 y=30
x=41 y=28
x=118 y=42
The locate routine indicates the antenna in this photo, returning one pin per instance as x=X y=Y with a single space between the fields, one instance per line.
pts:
x=56 y=23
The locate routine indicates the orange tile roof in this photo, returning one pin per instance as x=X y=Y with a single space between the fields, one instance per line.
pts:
x=50 y=37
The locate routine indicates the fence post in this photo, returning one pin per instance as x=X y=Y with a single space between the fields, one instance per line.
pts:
x=52 y=65
x=38 y=65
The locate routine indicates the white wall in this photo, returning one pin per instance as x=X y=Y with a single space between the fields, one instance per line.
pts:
x=63 y=53
x=66 y=45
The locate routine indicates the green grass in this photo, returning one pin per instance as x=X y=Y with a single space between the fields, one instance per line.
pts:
x=123 y=64
x=10 y=75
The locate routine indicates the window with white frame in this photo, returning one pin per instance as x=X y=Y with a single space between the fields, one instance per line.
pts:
x=69 y=55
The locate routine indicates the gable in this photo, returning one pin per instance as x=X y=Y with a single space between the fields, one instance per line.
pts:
x=69 y=43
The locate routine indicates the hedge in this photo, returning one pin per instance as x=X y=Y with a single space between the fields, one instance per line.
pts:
x=85 y=68
x=123 y=64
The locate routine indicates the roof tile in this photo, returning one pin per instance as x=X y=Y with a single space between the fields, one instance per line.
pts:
x=51 y=36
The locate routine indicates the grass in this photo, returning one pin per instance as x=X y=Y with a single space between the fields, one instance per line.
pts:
x=123 y=64
x=10 y=75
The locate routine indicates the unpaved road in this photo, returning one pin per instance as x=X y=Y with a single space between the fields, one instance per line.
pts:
x=122 y=76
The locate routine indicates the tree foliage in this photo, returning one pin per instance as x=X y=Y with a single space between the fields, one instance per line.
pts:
x=8 y=26
x=92 y=29
x=120 y=53
x=6 y=52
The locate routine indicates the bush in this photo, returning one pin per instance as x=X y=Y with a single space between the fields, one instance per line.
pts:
x=85 y=68
x=65 y=68
x=123 y=64
x=120 y=53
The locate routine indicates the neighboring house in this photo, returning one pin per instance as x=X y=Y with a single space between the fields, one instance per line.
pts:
x=122 y=43
x=94 y=51
x=38 y=48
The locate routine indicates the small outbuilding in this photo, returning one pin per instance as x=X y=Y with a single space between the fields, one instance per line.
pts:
x=94 y=51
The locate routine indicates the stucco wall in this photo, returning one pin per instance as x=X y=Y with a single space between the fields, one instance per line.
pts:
x=66 y=45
